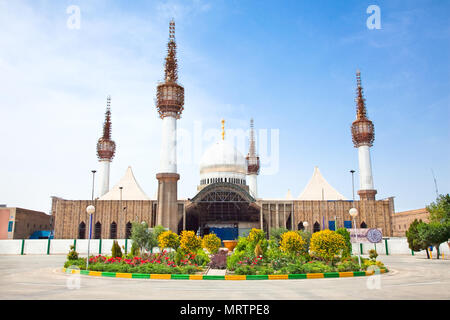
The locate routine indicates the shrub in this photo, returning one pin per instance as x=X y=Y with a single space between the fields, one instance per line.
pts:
x=275 y=234
x=233 y=260
x=72 y=255
x=326 y=244
x=348 y=245
x=79 y=263
x=316 y=267
x=201 y=258
x=211 y=242
x=168 y=239
x=373 y=254
x=245 y=269
x=115 y=250
x=189 y=241
x=255 y=236
x=264 y=270
x=135 y=250
x=219 y=260
x=291 y=242
x=306 y=236
x=242 y=244
x=347 y=266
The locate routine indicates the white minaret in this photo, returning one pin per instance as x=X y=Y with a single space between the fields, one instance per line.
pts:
x=363 y=134
x=105 y=152
x=169 y=102
x=252 y=164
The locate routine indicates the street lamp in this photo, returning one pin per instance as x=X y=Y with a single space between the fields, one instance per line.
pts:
x=354 y=212
x=90 y=211
x=305 y=224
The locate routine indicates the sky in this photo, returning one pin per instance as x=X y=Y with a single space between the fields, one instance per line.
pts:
x=289 y=65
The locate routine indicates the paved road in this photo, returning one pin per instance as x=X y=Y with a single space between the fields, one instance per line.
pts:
x=40 y=277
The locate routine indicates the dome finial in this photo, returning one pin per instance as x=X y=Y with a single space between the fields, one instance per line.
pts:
x=223 y=129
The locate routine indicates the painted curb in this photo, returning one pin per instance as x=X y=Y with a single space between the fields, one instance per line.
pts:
x=226 y=277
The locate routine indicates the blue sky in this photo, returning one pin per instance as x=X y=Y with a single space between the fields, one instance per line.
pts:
x=288 y=64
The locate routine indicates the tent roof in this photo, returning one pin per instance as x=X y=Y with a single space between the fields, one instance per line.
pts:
x=319 y=189
x=131 y=189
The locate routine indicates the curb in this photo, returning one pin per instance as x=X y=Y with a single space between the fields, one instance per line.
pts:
x=226 y=277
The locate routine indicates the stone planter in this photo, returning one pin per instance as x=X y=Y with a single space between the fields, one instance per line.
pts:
x=230 y=244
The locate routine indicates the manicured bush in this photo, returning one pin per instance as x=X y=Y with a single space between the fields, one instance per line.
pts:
x=255 y=236
x=168 y=239
x=292 y=243
x=135 y=250
x=72 y=255
x=115 y=250
x=373 y=254
x=189 y=241
x=326 y=244
x=211 y=242
x=242 y=244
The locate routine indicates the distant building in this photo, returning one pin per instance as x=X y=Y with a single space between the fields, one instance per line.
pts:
x=402 y=220
x=18 y=223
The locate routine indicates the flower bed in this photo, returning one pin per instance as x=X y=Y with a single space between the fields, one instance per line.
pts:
x=157 y=263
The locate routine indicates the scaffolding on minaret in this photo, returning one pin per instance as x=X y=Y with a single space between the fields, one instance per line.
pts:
x=170 y=94
x=106 y=147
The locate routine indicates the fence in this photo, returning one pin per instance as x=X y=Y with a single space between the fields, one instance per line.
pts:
x=61 y=246
x=395 y=246
x=389 y=246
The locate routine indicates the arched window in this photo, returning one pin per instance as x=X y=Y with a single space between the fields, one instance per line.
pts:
x=300 y=226
x=363 y=225
x=113 y=230
x=82 y=230
x=128 y=230
x=316 y=227
x=98 y=230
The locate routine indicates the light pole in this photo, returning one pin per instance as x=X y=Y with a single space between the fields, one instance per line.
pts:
x=353 y=185
x=90 y=211
x=354 y=212
x=305 y=224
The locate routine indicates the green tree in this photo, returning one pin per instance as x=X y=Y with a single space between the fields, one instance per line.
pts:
x=415 y=242
x=440 y=210
x=348 y=244
x=434 y=233
x=140 y=235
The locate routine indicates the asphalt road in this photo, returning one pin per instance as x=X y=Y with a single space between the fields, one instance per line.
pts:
x=40 y=277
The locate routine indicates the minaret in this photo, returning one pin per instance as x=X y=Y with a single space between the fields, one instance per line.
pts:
x=105 y=151
x=169 y=102
x=363 y=136
x=252 y=164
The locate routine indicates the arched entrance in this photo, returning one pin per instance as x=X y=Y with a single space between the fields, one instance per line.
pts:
x=224 y=208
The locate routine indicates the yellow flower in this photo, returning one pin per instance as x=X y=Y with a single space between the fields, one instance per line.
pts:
x=211 y=242
x=291 y=242
x=190 y=242
x=168 y=239
x=326 y=244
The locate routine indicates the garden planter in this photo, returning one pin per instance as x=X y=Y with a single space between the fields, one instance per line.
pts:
x=230 y=244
